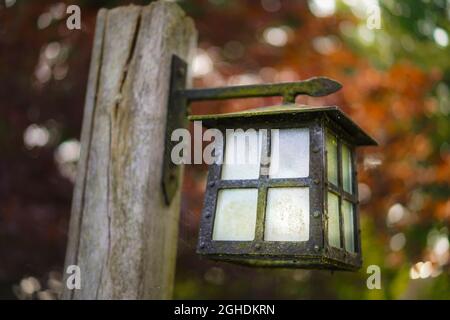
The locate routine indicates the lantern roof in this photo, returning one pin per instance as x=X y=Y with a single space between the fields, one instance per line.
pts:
x=286 y=113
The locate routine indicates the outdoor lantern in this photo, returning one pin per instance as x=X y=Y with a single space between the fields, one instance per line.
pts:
x=298 y=208
x=293 y=201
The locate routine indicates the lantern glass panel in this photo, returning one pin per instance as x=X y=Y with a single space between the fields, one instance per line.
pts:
x=242 y=155
x=347 y=214
x=332 y=159
x=235 y=217
x=334 y=234
x=289 y=153
x=347 y=169
x=287 y=214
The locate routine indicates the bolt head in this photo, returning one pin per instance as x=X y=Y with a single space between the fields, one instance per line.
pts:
x=316 y=214
x=316 y=247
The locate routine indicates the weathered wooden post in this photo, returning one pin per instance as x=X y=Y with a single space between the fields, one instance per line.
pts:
x=122 y=234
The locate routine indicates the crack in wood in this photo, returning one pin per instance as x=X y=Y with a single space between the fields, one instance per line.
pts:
x=122 y=235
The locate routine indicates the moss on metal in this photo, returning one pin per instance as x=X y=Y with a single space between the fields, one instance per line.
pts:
x=314 y=87
x=286 y=113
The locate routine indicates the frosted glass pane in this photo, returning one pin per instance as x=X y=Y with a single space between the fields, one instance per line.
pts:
x=242 y=155
x=349 y=227
x=289 y=153
x=334 y=235
x=346 y=168
x=332 y=166
x=235 y=217
x=287 y=214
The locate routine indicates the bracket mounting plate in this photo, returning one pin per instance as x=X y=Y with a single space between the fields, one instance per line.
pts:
x=176 y=118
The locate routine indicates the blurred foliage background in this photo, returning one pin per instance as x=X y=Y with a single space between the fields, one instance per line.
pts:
x=392 y=58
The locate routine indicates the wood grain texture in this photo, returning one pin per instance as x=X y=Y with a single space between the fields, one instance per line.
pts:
x=122 y=235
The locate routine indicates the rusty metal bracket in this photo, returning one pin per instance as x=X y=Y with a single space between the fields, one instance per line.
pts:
x=180 y=97
x=314 y=87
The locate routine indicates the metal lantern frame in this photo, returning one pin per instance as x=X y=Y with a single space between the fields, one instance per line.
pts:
x=316 y=252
